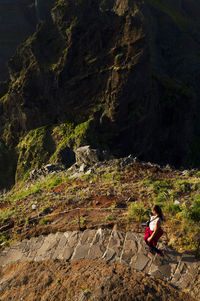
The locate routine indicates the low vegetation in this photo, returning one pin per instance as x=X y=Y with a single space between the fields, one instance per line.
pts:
x=110 y=195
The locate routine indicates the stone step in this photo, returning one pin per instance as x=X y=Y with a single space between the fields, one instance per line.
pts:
x=82 y=249
x=130 y=248
x=115 y=246
x=182 y=270
x=99 y=244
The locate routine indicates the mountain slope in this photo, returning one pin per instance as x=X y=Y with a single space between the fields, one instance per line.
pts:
x=129 y=69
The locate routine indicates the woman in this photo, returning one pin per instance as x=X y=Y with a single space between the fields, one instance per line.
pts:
x=154 y=231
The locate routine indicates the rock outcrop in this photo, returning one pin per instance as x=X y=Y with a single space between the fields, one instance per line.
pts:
x=88 y=156
x=44 y=171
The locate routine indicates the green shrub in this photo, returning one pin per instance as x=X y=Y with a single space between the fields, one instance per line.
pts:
x=163 y=185
x=6 y=214
x=110 y=218
x=137 y=210
x=183 y=186
x=187 y=231
x=195 y=210
x=195 y=186
x=3 y=241
x=83 y=221
x=174 y=195
x=44 y=221
x=184 y=213
x=148 y=182
x=162 y=197
x=197 y=174
x=171 y=208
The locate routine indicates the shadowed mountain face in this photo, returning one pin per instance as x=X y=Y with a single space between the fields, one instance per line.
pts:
x=18 y=19
x=130 y=69
x=17 y=22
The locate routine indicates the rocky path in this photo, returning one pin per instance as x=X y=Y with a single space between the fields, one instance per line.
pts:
x=181 y=270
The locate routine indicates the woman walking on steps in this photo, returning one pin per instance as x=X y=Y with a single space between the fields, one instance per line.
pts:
x=154 y=231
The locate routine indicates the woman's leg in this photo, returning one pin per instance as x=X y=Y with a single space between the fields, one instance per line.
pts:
x=155 y=250
x=156 y=237
x=155 y=241
x=148 y=233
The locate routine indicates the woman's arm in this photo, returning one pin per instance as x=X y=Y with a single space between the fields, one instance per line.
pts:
x=157 y=226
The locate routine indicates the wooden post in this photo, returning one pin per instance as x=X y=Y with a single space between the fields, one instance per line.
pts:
x=79 y=222
x=197 y=250
x=196 y=240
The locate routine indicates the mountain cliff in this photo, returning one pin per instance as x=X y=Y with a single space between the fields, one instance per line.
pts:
x=18 y=19
x=119 y=75
x=17 y=22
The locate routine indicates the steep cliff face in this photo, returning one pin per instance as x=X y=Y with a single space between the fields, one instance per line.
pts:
x=129 y=69
x=18 y=19
x=175 y=45
x=17 y=22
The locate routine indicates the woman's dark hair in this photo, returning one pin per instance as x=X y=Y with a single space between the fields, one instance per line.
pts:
x=158 y=210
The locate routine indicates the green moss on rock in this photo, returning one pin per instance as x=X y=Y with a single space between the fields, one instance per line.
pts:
x=3 y=98
x=43 y=145
x=8 y=135
x=69 y=135
x=96 y=59
x=34 y=150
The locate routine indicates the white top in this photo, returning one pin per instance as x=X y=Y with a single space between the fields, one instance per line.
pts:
x=152 y=224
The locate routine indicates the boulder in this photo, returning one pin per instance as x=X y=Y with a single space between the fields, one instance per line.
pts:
x=89 y=171
x=34 y=206
x=73 y=168
x=88 y=156
x=83 y=168
x=177 y=202
x=33 y=174
x=44 y=171
x=52 y=167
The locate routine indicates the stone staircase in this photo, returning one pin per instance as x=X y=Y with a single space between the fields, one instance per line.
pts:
x=181 y=270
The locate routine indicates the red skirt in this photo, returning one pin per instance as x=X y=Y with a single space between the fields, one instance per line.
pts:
x=155 y=239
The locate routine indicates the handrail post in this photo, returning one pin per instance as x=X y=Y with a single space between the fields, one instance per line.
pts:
x=79 y=222
x=197 y=249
